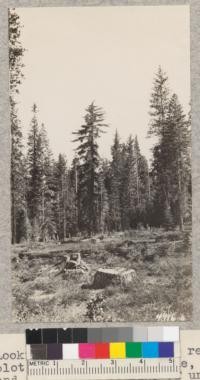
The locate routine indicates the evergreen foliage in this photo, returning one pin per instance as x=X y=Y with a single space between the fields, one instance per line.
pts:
x=35 y=175
x=18 y=201
x=171 y=166
x=51 y=200
x=87 y=151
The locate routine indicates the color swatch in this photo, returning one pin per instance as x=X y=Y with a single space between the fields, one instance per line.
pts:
x=107 y=334
x=113 y=350
x=103 y=343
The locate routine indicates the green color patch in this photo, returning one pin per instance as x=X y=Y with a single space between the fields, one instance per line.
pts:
x=133 y=350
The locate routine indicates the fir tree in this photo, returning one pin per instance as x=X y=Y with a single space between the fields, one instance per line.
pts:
x=178 y=167
x=16 y=51
x=18 y=174
x=125 y=179
x=35 y=171
x=137 y=184
x=74 y=204
x=60 y=177
x=159 y=104
x=47 y=223
x=171 y=158
x=115 y=191
x=18 y=210
x=143 y=186
x=136 y=154
x=103 y=201
x=87 y=151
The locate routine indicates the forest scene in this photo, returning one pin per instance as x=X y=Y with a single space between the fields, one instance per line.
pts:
x=100 y=239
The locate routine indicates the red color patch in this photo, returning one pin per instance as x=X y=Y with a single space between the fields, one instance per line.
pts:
x=102 y=351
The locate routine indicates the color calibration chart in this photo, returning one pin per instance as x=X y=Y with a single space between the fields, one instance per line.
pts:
x=104 y=353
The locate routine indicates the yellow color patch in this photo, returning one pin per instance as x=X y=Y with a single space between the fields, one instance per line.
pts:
x=117 y=350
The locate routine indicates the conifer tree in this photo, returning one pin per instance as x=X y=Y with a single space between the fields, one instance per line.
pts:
x=18 y=173
x=35 y=170
x=103 y=201
x=16 y=51
x=137 y=155
x=138 y=182
x=131 y=184
x=87 y=151
x=60 y=177
x=115 y=191
x=125 y=181
x=171 y=156
x=178 y=167
x=71 y=203
x=18 y=211
x=74 y=204
x=159 y=104
x=47 y=223
x=143 y=188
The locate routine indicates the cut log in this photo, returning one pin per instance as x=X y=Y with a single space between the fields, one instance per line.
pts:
x=117 y=276
x=44 y=255
x=141 y=241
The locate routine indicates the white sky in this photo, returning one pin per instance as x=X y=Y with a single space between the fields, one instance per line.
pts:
x=108 y=54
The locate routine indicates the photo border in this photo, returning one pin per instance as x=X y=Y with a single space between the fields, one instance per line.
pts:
x=5 y=149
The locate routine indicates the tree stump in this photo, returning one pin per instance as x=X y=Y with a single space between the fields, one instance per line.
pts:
x=74 y=262
x=117 y=276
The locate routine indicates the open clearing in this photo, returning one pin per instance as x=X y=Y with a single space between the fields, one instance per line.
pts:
x=161 y=291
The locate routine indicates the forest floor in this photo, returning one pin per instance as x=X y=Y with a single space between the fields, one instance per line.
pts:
x=162 y=290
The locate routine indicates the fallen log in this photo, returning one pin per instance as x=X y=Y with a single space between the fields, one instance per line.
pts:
x=138 y=241
x=43 y=255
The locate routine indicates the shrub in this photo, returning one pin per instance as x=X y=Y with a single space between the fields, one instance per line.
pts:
x=95 y=309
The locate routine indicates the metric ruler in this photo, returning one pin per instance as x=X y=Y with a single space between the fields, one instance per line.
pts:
x=104 y=369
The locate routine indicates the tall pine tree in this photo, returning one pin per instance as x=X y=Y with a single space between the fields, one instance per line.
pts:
x=159 y=104
x=18 y=211
x=18 y=175
x=136 y=184
x=47 y=222
x=60 y=177
x=171 y=159
x=16 y=51
x=115 y=190
x=35 y=172
x=103 y=201
x=87 y=151
x=177 y=141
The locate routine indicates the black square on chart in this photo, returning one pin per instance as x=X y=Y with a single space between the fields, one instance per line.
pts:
x=79 y=335
x=49 y=336
x=64 y=335
x=34 y=336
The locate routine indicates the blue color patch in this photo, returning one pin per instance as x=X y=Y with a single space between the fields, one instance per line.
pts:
x=166 y=350
x=150 y=350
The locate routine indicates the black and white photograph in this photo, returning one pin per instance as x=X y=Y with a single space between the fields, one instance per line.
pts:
x=101 y=188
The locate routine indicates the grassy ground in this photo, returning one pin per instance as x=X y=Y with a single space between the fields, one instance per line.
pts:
x=161 y=291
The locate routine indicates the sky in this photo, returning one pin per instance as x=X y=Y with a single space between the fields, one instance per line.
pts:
x=76 y=55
